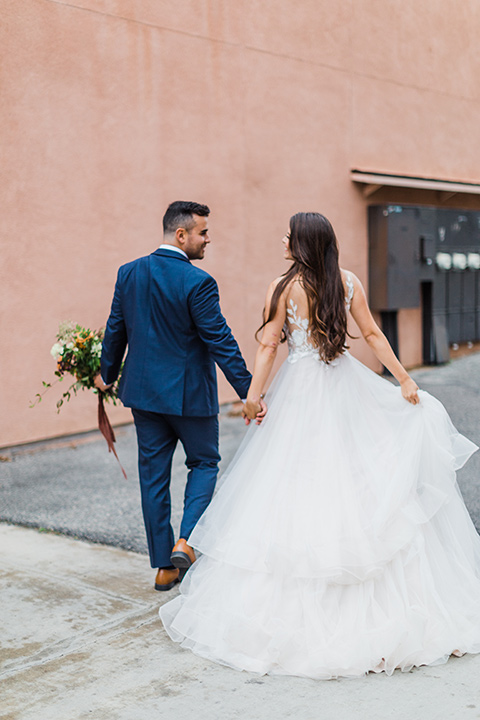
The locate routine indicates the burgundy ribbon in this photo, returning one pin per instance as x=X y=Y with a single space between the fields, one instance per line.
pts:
x=107 y=431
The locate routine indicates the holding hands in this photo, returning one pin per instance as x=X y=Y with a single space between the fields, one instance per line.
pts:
x=254 y=410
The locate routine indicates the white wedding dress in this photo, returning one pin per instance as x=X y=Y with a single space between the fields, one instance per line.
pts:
x=338 y=542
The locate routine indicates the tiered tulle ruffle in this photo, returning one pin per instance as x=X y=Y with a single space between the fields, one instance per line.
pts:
x=338 y=542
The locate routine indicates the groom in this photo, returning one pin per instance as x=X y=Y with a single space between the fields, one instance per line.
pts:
x=167 y=312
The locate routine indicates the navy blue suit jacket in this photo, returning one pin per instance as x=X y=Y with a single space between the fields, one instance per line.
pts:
x=168 y=313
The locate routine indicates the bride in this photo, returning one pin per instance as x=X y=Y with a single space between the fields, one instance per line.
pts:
x=338 y=542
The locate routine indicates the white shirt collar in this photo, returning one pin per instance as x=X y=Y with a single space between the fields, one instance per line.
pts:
x=165 y=246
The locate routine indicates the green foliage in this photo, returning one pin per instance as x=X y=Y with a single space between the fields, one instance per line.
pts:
x=77 y=352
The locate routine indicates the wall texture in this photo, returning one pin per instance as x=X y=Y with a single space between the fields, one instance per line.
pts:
x=111 y=109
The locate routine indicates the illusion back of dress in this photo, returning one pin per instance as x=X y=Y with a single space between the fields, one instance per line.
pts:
x=297 y=323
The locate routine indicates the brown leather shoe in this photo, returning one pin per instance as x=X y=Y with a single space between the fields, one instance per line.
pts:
x=166 y=578
x=182 y=555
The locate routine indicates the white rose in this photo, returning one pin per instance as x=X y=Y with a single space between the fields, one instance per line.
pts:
x=56 y=350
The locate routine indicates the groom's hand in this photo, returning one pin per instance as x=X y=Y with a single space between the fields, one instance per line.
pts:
x=250 y=410
x=99 y=384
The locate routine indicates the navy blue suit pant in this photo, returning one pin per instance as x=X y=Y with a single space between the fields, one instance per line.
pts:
x=158 y=435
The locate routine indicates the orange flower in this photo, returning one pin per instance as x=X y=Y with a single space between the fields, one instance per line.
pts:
x=80 y=341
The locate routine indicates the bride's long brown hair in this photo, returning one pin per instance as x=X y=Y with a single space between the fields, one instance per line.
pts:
x=314 y=249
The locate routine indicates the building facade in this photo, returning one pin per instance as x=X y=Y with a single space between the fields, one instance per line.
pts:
x=367 y=111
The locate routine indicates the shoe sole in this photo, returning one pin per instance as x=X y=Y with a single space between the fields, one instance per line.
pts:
x=180 y=560
x=169 y=586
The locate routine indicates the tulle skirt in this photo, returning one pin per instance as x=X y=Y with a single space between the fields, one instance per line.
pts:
x=337 y=542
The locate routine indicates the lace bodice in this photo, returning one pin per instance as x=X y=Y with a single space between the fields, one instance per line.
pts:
x=298 y=333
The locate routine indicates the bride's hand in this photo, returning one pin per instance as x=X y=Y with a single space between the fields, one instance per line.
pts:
x=260 y=415
x=409 y=390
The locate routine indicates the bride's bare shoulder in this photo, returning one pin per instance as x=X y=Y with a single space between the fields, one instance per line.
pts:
x=291 y=290
x=349 y=277
x=274 y=284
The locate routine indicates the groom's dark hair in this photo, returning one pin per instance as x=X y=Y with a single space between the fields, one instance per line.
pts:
x=180 y=214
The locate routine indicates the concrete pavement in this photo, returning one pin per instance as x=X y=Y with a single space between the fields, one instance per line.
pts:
x=80 y=633
x=81 y=639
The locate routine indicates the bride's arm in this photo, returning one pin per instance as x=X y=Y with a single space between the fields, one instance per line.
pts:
x=379 y=343
x=266 y=353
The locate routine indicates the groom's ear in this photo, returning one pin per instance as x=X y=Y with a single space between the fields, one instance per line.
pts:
x=181 y=235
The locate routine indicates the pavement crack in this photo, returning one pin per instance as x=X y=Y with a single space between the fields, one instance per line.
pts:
x=72 y=581
x=71 y=645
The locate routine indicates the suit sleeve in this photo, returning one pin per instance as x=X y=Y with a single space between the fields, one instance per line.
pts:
x=215 y=333
x=115 y=340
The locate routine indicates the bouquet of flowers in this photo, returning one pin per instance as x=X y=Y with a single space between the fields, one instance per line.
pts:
x=77 y=352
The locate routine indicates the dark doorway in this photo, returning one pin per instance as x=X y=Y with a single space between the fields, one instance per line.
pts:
x=428 y=345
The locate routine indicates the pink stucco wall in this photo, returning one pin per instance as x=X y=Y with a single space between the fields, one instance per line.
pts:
x=111 y=109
